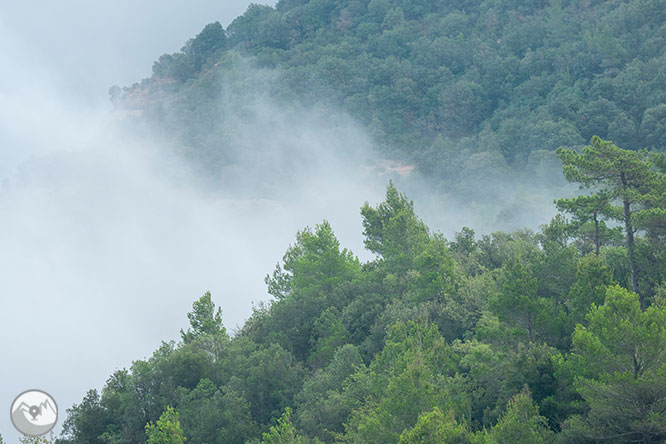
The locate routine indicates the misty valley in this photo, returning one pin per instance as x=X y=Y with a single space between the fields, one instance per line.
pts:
x=466 y=201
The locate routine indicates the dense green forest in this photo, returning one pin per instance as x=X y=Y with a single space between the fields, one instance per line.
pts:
x=435 y=82
x=553 y=336
x=549 y=336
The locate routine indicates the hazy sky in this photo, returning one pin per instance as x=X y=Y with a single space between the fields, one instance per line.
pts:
x=87 y=46
x=105 y=241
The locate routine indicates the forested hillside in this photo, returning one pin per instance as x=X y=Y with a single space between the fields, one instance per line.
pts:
x=553 y=336
x=556 y=335
x=433 y=81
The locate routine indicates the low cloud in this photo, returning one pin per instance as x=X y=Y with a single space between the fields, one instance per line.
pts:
x=107 y=234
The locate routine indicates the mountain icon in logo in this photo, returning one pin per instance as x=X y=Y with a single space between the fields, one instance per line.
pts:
x=34 y=413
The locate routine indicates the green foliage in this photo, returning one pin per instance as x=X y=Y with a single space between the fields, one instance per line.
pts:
x=620 y=360
x=328 y=397
x=167 y=429
x=34 y=439
x=493 y=374
x=204 y=320
x=314 y=264
x=183 y=65
x=392 y=231
x=593 y=277
x=428 y=342
x=619 y=174
x=86 y=421
x=624 y=179
x=588 y=213
x=284 y=432
x=209 y=414
x=521 y=423
x=517 y=303
x=413 y=374
x=211 y=39
x=436 y=427
x=310 y=286
x=267 y=377
x=413 y=266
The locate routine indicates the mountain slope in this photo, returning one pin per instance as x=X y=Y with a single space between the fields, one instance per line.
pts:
x=433 y=79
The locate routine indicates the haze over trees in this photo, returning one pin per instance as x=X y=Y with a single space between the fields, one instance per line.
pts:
x=455 y=88
x=509 y=337
x=549 y=336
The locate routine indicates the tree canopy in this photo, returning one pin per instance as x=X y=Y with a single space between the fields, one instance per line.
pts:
x=510 y=337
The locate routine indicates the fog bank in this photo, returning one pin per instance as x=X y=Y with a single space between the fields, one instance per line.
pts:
x=108 y=236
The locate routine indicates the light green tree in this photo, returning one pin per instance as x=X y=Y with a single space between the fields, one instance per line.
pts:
x=204 y=320
x=167 y=429
x=521 y=423
x=411 y=376
x=310 y=281
x=437 y=427
x=619 y=360
x=283 y=432
x=393 y=231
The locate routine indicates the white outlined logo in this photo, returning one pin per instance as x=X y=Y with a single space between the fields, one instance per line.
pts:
x=34 y=413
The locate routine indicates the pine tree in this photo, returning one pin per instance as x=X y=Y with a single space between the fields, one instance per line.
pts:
x=624 y=177
x=588 y=210
x=619 y=361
